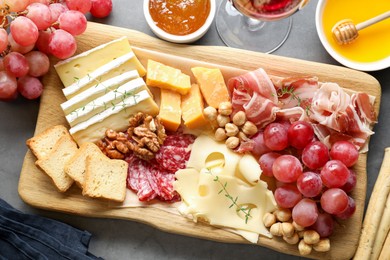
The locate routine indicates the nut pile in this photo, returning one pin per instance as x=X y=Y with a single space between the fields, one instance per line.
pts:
x=233 y=129
x=280 y=224
x=144 y=137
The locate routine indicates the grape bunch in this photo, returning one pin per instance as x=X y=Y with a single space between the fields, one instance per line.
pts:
x=312 y=180
x=30 y=31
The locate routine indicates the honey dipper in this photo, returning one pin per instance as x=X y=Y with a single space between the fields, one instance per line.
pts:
x=345 y=31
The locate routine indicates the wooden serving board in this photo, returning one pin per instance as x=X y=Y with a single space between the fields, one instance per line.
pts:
x=36 y=189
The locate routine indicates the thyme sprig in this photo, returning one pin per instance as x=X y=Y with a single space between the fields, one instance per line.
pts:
x=246 y=210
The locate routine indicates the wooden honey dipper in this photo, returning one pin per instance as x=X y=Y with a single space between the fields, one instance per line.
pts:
x=345 y=31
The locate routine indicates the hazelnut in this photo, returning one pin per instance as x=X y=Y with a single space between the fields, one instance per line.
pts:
x=269 y=219
x=239 y=118
x=220 y=134
x=223 y=120
x=276 y=229
x=232 y=142
x=297 y=226
x=225 y=108
x=231 y=129
x=249 y=128
x=304 y=249
x=287 y=229
x=242 y=136
x=311 y=237
x=292 y=240
x=283 y=214
x=210 y=113
x=322 y=246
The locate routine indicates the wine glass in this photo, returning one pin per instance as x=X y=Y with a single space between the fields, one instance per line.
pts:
x=257 y=25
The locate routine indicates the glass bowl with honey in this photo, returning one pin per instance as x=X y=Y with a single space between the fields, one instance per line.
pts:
x=179 y=21
x=370 y=51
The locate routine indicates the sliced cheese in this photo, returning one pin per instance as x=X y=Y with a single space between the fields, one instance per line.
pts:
x=166 y=77
x=105 y=72
x=84 y=63
x=201 y=193
x=192 y=108
x=83 y=98
x=249 y=168
x=206 y=150
x=115 y=118
x=107 y=101
x=170 y=111
x=212 y=85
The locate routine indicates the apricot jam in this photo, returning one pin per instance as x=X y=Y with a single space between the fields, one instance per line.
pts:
x=179 y=17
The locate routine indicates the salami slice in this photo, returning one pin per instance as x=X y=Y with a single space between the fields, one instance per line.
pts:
x=179 y=140
x=173 y=158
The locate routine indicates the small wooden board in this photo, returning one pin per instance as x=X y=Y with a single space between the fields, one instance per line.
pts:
x=36 y=189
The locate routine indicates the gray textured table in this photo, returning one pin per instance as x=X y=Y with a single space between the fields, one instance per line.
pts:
x=118 y=239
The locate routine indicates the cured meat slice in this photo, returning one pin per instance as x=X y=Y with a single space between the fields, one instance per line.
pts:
x=179 y=140
x=138 y=179
x=173 y=158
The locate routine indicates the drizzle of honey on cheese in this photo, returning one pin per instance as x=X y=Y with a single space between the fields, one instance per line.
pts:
x=373 y=43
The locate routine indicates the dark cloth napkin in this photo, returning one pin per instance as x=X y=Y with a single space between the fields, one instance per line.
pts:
x=24 y=236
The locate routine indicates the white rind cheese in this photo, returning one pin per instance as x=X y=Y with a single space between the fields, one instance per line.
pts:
x=115 y=118
x=92 y=93
x=84 y=63
x=107 y=71
x=107 y=101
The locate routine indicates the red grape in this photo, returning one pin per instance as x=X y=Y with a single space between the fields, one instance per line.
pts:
x=287 y=196
x=38 y=62
x=287 y=168
x=259 y=145
x=16 y=64
x=62 y=44
x=266 y=161
x=3 y=39
x=30 y=87
x=300 y=134
x=334 y=201
x=349 y=211
x=24 y=31
x=101 y=8
x=56 y=9
x=17 y=47
x=275 y=136
x=305 y=213
x=8 y=86
x=334 y=174
x=315 y=155
x=73 y=22
x=309 y=184
x=324 y=225
x=81 y=6
x=344 y=151
x=351 y=182
x=43 y=42
x=40 y=14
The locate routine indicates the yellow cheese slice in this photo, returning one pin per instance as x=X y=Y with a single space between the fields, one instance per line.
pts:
x=212 y=85
x=83 y=64
x=115 y=118
x=107 y=101
x=166 y=77
x=170 y=111
x=192 y=108
x=83 y=98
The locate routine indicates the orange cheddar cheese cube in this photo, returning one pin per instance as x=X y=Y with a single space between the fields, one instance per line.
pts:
x=166 y=77
x=212 y=85
x=170 y=109
x=192 y=108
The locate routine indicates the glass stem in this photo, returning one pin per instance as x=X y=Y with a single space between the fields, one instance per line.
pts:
x=253 y=25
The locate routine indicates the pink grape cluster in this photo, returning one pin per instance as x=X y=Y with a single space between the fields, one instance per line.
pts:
x=30 y=30
x=312 y=180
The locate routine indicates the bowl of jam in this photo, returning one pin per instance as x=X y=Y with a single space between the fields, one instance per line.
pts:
x=179 y=21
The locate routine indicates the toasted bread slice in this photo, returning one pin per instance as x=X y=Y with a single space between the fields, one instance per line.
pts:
x=105 y=178
x=76 y=166
x=54 y=164
x=42 y=144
